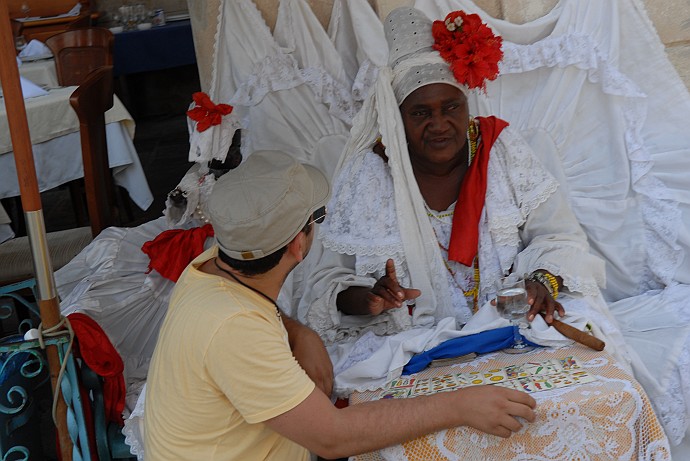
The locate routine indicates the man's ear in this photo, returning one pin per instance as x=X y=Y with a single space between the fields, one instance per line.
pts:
x=297 y=247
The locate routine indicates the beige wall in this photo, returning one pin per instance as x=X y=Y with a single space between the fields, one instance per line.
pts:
x=670 y=17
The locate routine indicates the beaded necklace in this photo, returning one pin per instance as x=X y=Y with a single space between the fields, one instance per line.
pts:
x=258 y=292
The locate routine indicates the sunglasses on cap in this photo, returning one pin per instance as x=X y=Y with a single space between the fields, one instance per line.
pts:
x=318 y=216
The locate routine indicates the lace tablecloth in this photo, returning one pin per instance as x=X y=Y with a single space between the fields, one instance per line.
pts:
x=609 y=418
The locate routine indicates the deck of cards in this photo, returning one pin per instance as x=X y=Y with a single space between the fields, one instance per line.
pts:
x=528 y=377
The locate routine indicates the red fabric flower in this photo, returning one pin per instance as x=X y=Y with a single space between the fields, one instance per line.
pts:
x=207 y=114
x=469 y=46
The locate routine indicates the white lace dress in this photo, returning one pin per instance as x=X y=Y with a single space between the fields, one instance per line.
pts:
x=591 y=89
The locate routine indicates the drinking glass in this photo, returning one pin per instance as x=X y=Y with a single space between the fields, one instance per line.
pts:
x=25 y=9
x=19 y=43
x=511 y=303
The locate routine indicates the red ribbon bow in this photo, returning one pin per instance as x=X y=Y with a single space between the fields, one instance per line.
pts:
x=206 y=113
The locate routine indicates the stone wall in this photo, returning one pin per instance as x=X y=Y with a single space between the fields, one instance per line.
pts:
x=670 y=17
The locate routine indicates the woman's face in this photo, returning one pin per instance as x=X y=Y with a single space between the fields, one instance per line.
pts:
x=436 y=118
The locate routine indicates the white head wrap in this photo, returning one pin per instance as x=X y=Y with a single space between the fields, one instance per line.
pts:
x=411 y=57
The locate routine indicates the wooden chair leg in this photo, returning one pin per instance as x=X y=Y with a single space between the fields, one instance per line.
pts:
x=76 y=192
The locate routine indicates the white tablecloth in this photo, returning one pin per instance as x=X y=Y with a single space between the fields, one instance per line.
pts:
x=54 y=131
x=41 y=72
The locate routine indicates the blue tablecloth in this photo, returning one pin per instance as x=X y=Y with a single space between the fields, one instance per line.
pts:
x=158 y=48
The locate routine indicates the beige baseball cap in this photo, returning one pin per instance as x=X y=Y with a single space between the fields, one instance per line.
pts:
x=260 y=206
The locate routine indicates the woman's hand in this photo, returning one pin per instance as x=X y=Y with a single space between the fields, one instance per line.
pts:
x=386 y=294
x=541 y=301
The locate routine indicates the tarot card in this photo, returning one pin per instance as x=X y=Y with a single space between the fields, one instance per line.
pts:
x=515 y=371
x=443 y=383
x=422 y=387
x=395 y=393
x=542 y=383
x=475 y=378
x=495 y=376
x=462 y=380
x=509 y=383
x=569 y=363
x=403 y=382
x=537 y=368
x=562 y=379
x=582 y=377
x=526 y=384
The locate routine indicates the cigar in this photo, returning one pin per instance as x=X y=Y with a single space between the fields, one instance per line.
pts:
x=578 y=336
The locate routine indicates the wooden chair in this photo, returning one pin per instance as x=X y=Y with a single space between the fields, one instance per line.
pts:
x=82 y=22
x=78 y=52
x=91 y=101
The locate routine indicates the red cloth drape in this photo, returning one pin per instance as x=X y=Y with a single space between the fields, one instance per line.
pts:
x=464 y=237
x=101 y=356
x=172 y=250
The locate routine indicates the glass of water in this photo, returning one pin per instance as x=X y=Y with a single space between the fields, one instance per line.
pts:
x=511 y=303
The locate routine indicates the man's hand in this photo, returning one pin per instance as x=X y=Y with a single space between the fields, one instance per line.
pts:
x=494 y=409
x=310 y=352
x=387 y=293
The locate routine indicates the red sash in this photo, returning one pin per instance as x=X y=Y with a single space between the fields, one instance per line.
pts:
x=172 y=250
x=464 y=237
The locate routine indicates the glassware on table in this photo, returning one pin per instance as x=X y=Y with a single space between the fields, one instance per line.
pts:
x=25 y=9
x=512 y=305
x=19 y=43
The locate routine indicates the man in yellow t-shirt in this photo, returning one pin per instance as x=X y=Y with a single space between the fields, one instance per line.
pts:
x=223 y=382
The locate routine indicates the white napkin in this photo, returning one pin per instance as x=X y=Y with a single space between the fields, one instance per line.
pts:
x=76 y=9
x=35 y=48
x=29 y=89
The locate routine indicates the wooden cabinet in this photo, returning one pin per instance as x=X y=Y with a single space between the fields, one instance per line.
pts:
x=43 y=28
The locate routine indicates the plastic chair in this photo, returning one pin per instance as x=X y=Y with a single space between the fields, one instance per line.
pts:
x=78 y=52
x=91 y=101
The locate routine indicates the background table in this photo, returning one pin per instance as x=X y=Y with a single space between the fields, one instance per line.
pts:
x=162 y=47
x=54 y=129
x=610 y=418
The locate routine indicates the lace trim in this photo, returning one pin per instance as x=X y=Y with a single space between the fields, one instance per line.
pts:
x=282 y=72
x=133 y=428
x=364 y=82
x=661 y=215
x=273 y=73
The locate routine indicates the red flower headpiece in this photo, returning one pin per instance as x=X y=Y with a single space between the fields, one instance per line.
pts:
x=469 y=46
x=207 y=114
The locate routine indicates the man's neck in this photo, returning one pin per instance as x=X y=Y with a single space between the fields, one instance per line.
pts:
x=268 y=283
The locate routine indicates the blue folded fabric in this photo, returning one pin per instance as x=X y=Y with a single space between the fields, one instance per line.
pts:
x=480 y=343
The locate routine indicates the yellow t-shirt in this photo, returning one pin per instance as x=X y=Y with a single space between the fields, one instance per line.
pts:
x=221 y=367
